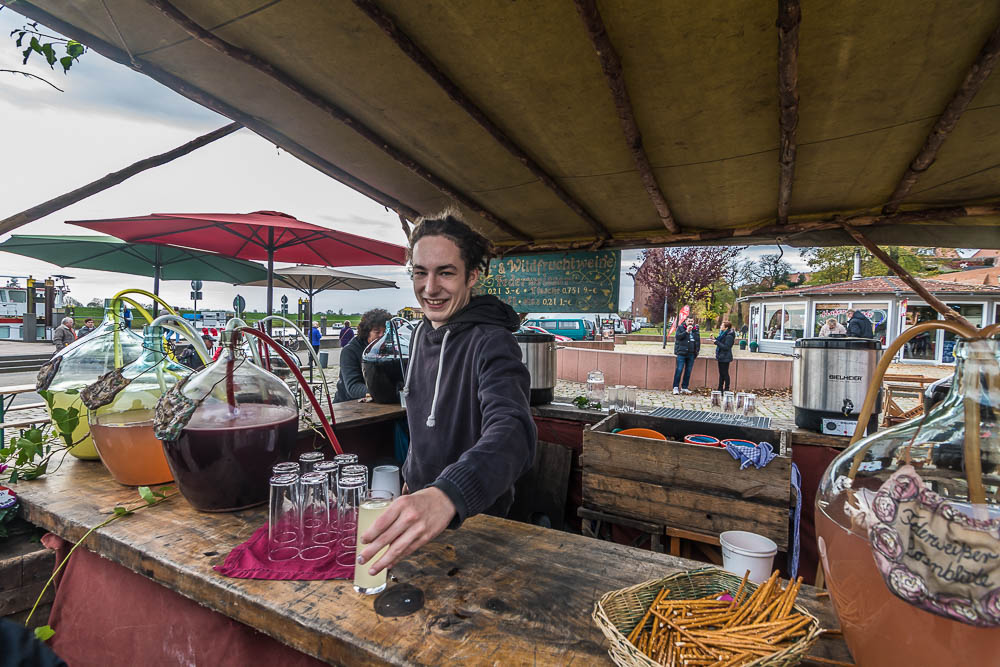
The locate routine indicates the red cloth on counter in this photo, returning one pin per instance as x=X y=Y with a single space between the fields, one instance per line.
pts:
x=106 y=615
x=249 y=561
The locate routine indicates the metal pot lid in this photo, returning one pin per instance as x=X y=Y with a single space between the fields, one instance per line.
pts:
x=534 y=337
x=840 y=343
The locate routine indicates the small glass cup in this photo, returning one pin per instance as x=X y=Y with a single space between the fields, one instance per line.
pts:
x=595 y=387
x=284 y=527
x=386 y=478
x=355 y=470
x=344 y=460
x=612 y=395
x=307 y=460
x=350 y=492
x=285 y=468
x=728 y=401
x=750 y=404
x=741 y=397
x=330 y=468
x=631 y=398
x=375 y=502
x=318 y=537
x=716 y=399
x=620 y=390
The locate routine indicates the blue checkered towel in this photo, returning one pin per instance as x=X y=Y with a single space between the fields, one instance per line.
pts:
x=758 y=456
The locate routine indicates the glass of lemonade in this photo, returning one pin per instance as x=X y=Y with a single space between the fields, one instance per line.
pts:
x=374 y=503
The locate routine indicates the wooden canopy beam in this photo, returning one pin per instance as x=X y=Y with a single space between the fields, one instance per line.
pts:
x=612 y=66
x=905 y=276
x=789 y=18
x=114 y=178
x=451 y=89
x=771 y=230
x=209 y=101
x=398 y=155
x=946 y=122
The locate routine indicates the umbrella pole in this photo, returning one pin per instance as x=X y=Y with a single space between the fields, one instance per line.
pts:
x=157 y=263
x=270 y=275
x=311 y=318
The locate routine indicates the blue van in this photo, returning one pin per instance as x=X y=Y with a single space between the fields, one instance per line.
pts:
x=574 y=328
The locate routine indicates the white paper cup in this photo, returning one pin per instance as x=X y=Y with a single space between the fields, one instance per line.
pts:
x=742 y=551
x=386 y=478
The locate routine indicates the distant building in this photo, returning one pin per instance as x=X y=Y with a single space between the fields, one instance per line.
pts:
x=411 y=313
x=776 y=319
x=989 y=275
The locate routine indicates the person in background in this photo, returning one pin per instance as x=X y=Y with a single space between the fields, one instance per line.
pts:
x=315 y=337
x=189 y=357
x=127 y=316
x=831 y=327
x=859 y=326
x=346 y=333
x=724 y=353
x=64 y=335
x=351 y=384
x=88 y=326
x=687 y=345
x=472 y=434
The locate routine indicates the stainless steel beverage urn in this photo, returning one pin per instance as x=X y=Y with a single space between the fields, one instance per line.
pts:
x=538 y=352
x=830 y=377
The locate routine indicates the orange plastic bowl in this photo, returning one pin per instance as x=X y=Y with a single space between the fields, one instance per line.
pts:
x=643 y=433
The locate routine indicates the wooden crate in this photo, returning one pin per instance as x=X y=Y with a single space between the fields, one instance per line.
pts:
x=690 y=487
x=25 y=566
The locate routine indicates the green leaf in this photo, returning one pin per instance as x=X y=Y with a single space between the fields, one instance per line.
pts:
x=147 y=495
x=50 y=54
x=66 y=62
x=34 y=434
x=121 y=511
x=14 y=476
x=46 y=396
x=74 y=49
x=71 y=392
x=26 y=53
x=44 y=633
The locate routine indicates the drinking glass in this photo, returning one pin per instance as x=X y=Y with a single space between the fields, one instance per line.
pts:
x=350 y=493
x=330 y=468
x=307 y=460
x=716 y=399
x=344 y=460
x=355 y=470
x=595 y=387
x=741 y=397
x=386 y=478
x=631 y=398
x=284 y=528
x=620 y=390
x=750 y=404
x=375 y=502
x=285 y=468
x=612 y=395
x=317 y=536
x=728 y=401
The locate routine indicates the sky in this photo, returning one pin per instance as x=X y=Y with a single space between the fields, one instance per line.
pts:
x=110 y=116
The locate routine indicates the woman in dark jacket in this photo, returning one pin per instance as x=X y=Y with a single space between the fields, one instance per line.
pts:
x=724 y=353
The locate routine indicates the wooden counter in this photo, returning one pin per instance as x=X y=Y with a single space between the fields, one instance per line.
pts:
x=498 y=592
x=351 y=413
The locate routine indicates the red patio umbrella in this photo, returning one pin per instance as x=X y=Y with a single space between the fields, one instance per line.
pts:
x=266 y=235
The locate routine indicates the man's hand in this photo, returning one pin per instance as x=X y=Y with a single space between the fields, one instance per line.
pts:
x=410 y=522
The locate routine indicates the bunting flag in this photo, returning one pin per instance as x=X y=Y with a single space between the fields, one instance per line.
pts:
x=679 y=318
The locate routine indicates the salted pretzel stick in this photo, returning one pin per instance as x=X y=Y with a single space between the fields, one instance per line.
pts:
x=739 y=590
x=635 y=631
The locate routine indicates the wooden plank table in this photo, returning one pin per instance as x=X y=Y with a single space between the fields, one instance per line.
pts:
x=497 y=592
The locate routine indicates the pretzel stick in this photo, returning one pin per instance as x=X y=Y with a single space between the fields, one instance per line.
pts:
x=739 y=590
x=635 y=631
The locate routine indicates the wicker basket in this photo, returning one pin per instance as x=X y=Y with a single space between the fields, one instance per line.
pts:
x=618 y=612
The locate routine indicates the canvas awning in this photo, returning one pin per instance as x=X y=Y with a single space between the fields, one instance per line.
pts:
x=506 y=109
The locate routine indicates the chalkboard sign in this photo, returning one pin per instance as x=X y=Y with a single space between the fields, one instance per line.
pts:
x=561 y=282
x=948 y=352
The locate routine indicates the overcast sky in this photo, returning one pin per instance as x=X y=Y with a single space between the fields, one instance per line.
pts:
x=110 y=116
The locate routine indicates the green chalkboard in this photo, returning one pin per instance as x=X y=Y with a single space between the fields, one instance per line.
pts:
x=560 y=282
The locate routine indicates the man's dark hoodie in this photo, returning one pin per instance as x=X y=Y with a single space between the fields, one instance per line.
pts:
x=471 y=431
x=860 y=326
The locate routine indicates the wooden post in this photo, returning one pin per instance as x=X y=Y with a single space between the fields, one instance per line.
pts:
x=946 y=122
x=312 y=97
x=789 y=18
x=615 y=76
x=114 y=178
x=905 y=276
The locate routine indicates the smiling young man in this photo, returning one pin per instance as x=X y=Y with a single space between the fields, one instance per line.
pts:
x=471 y=431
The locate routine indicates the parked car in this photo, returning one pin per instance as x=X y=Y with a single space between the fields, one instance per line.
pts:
x=559 y=338
x=574 y=329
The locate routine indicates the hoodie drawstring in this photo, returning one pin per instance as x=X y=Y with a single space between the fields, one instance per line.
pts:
x=437 y=381
x=413 y=357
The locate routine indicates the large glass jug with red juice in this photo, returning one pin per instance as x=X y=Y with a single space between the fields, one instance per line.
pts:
x=122 y=430
x=245 y=421
x=81 y=363
x=932 y=465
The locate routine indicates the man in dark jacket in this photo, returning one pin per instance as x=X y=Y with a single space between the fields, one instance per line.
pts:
x=471 y=431
x=687 y=345
x=351 y=384
x=859 y=326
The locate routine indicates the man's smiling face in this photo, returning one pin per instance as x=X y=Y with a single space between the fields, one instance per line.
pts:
x=440 y=281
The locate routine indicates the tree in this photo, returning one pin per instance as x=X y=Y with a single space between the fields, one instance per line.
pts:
x=836 y=264
x=773 y=269
x=737 y=276
x=681 y=275
x=95 y=303
x=70 y=301
x=47 y=46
